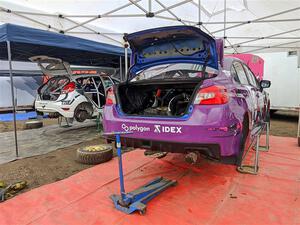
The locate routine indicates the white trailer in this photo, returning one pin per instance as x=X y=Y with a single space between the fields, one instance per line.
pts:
x=283 y=69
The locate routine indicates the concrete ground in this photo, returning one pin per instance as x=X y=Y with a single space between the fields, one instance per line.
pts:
x=46 y=139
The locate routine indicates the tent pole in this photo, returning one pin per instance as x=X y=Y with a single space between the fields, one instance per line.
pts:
x=121 y=74
x=12 y=96
x=260 y=38
x=150 y=6
x=199 y=13
x=170 y=12
x=269 y=36
x=272 y=46
x=258 y=19
x=126 y=60
x=172 y=6
x=224 y=32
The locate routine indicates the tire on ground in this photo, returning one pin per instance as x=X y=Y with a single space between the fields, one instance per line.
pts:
x=34 y=124
x=94 y=154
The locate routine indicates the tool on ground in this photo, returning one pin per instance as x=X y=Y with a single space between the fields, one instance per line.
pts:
x=8 y=191
x=136 y=200
x=255 y=144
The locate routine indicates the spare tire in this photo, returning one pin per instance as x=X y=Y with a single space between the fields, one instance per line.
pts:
x=33 y=124
x=94 y=154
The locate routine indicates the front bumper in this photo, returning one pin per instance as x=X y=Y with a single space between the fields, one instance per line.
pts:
x=211 y=128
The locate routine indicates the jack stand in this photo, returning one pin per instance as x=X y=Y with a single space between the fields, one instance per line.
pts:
x=137 y=199
x=99 y=120
x=255 y=134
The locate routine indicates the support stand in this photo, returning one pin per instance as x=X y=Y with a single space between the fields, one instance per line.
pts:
x=136 y=200
x=255 y=138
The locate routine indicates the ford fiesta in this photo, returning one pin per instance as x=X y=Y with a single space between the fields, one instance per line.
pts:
x=178 y=98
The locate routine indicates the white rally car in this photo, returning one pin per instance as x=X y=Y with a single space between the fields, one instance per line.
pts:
x=80 y=95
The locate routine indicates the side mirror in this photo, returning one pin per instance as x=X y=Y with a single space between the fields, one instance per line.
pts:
x=265 y=83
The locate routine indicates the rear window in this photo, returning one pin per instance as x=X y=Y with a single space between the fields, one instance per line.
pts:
x=54 y=84
x=174 y=71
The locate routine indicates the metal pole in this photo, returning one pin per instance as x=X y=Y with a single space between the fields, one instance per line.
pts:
x=126 y=60
x=224 y=33
x=199 y=13
x=269 y=36
x=172 y=6
x=271 y=46
x=150 y=6
x=257 y=153
x=258 y=19
x=12 y=96
x=121 y=72
x=119 y=153
x=170 y=12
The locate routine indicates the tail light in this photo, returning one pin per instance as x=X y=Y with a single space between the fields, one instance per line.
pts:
x=213 y=95
x=69 y=88
x=110 y=97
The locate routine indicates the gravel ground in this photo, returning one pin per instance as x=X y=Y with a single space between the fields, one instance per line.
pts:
x=57 y=165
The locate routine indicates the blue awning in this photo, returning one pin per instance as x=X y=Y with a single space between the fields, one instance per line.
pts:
x=27 y=42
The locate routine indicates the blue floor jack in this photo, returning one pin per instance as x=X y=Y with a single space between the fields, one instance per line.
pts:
x=136 y=200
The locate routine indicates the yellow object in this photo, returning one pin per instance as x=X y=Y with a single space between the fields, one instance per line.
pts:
x=2 y=184
x=95 y=148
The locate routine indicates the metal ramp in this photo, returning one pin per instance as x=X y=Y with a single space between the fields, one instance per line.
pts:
x=262 y=128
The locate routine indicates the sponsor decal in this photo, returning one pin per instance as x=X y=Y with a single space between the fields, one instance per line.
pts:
x=167 y=129
x=157 y=129
x=135 y=128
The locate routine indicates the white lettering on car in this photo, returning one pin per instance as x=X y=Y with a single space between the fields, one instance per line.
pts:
x=157 y=129
x=134 y=128
x=167 y=129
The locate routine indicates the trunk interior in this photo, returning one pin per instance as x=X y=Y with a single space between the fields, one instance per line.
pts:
x=51 y=90
x=159 y=99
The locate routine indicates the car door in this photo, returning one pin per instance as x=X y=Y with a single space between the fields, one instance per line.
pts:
x=258 y=92
x=245 y=90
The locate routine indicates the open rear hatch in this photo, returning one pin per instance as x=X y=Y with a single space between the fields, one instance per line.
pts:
x=59 y=73
x=167 y=67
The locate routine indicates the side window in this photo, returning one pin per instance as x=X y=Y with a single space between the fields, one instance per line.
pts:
x=241 y=73
x=107 y=82
x=234 y=74
x=251 y=77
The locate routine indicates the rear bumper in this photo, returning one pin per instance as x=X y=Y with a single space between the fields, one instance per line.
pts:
x=55 y=107
x=209 y=128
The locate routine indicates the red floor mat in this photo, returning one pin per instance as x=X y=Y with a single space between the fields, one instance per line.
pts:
x=207 y=193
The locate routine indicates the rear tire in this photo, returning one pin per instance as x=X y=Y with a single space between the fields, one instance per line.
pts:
x=244 y=136
x=83 y=111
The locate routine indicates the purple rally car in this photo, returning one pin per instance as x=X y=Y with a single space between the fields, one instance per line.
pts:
x=178 y=98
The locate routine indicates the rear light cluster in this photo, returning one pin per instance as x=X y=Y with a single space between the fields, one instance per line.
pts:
x=110 y=97
x=69 y=88
x=213 y=95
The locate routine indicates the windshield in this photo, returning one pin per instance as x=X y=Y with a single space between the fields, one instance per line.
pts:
x=175 y=71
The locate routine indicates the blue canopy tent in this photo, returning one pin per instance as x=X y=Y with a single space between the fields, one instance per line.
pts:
x=19 y=43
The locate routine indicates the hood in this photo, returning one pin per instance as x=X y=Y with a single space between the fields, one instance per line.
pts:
x=175 y=44
x=52 y=66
